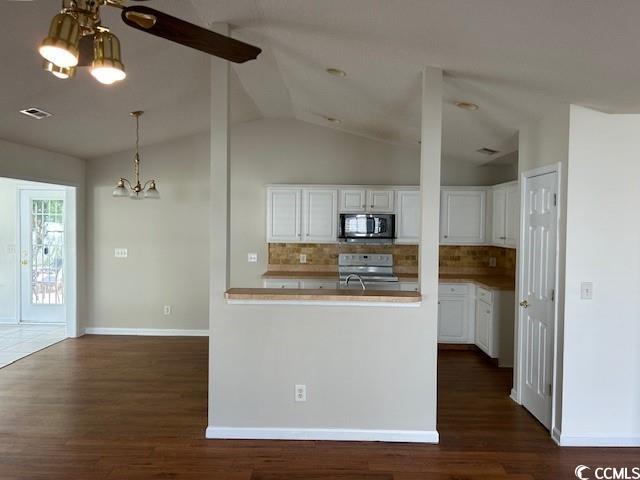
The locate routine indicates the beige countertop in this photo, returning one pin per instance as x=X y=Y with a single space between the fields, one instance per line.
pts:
x=492 y=282
x=322 y=295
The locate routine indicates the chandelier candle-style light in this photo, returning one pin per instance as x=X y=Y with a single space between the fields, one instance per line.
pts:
x=124 y=188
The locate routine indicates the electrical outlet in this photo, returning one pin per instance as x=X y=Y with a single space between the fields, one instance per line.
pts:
x=168 y=309
x=493 y=262
x=121 y=253
x=303 y=258
x=300 y=393
x=252 y=257
x=586 y=291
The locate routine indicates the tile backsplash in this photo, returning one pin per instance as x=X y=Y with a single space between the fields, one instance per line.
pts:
x=453 y=259
x=324 y=256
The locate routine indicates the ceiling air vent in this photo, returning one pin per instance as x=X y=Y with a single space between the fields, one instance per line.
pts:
x=36 y=113
x=487 y=151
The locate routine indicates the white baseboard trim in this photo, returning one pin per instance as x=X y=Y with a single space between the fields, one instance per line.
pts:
x=341 y=434
x=555 y=435
x=152 y=332
x=598 y=441
x=514 y=396
x=9 y=320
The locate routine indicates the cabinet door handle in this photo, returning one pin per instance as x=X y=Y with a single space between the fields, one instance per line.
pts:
x=524 y=304
x=446 y=236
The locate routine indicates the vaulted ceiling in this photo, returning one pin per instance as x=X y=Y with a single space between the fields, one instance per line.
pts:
x=513 y=58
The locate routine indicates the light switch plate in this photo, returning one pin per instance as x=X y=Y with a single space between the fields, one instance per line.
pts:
x=586 y=291
x=11 y=249
x=121 y=253
x=303 y=258
x=493 y=262
x=252 y=257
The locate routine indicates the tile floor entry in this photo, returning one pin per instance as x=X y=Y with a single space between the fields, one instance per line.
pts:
x=18 y=341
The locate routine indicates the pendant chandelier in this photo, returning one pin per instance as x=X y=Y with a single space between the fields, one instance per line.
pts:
x=124 y=188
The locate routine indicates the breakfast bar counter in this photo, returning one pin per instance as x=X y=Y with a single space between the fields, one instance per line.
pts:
x=323 y=296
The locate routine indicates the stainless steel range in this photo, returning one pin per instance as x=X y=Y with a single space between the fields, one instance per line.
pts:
x=367 y=271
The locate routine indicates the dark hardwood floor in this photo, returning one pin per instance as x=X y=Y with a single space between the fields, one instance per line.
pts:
x=123 y=408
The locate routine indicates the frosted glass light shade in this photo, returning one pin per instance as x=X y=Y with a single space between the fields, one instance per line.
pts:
x=152 y=192
x=120 y=190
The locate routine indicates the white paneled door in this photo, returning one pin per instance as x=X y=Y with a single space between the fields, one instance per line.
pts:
x=537 y=294
x=42 y=256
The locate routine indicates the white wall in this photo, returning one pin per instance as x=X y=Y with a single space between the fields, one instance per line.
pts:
x=28 y=163
x=460 y=174
x=367 y=370
x=8 y=259
x=601 y=390
x=167 y=239
x=542 y=142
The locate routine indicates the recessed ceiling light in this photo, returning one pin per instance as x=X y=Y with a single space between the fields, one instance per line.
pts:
x=467 y=106
x=335 y=121
x=36 y=113
x=336 y=72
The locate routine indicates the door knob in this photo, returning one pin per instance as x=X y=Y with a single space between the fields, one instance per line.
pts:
x=524 y=304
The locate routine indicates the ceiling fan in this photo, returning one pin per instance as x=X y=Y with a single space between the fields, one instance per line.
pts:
x=77 y=38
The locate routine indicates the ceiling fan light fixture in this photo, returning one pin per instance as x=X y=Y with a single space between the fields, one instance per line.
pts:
x=59 y=72
x=107 y=66
x=61 y=47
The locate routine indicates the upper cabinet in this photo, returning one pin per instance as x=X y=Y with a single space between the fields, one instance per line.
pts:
x=408 y=216
x=362 y=200
x=380 y=201
x=302 y=215
x=320 y=215
x=353 y=200
x=462 y=216
x=284 y=209
x=506 y=214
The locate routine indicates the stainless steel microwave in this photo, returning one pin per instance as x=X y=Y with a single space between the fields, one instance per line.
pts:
x=363 y=227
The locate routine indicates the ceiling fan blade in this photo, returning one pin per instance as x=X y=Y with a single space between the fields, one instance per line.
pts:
x=86 y=51
x=172 y=28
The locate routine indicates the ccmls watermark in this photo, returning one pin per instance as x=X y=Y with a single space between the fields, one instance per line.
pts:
x=607 y=473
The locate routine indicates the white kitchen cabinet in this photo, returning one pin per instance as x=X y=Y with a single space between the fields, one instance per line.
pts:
x=495 y=318
x=284 y=208
x=455 y=313
x=408 y=217
x=353 y=200
x=462 y=216
x=512 y=222
x=320 y=284
x=320 y=215
x=506 y=215
x=380 y=201
x=362 y=200
x=484 y=328
x=281 y=283
x=409 y=286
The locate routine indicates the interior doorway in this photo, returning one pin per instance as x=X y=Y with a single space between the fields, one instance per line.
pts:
x=38 y=266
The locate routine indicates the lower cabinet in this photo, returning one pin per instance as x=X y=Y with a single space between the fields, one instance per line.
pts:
x=455 y=313
x=495 y=318
x=281 y=283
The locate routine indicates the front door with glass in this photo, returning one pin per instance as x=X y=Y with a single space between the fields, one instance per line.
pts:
x=42 y=255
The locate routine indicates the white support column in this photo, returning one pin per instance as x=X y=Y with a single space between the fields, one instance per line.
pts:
x=430 y=157
x=219 y=194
